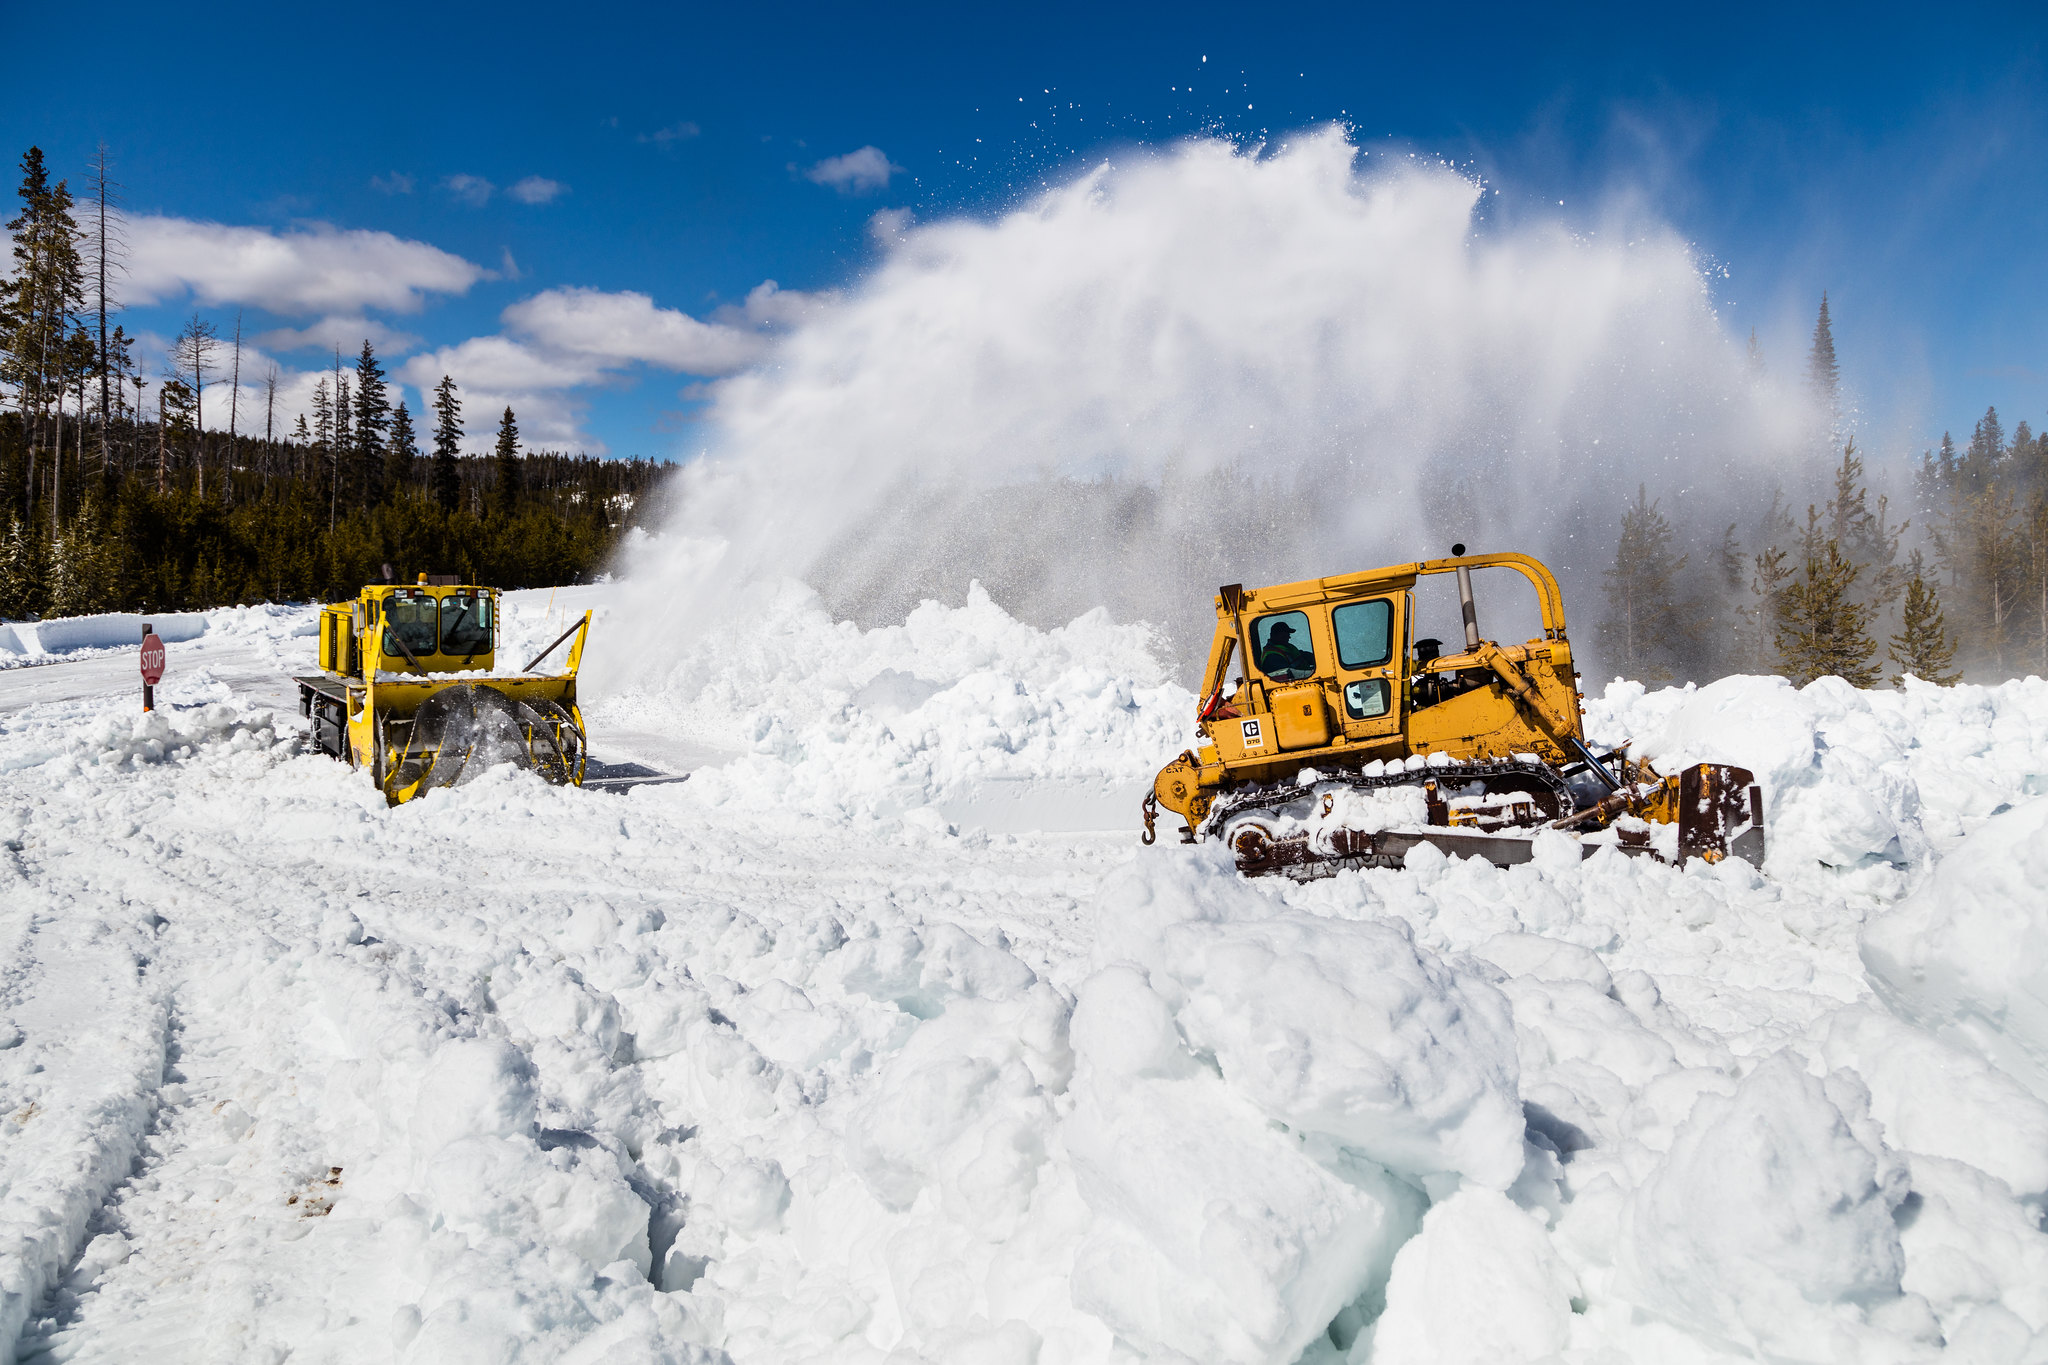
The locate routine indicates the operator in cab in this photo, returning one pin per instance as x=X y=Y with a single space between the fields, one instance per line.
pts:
x=1282 y=658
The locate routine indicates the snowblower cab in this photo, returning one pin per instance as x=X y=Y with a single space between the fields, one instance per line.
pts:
x=1342 y=740
x=409 y=688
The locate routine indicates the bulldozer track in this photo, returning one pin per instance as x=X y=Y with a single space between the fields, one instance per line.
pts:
x=1388 y=849
x=1272 y=796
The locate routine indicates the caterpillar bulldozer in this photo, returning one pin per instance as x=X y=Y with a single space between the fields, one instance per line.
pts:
x=409 y=689
x=1343 y=741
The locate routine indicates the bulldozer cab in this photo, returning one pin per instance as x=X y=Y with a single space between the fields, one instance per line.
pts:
x=416 y=628
x=1332 y=665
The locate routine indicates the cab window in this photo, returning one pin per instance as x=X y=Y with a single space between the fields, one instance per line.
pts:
x=1366 y=699
x=409 y=618
x=1365 y=633
x=1282 y=647
x=466 y=623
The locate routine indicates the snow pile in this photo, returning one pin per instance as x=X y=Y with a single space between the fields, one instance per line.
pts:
x=1261 y=1099
x=1966 y=956
x=1858 y=780
x=841 y=722
x=773 y=1066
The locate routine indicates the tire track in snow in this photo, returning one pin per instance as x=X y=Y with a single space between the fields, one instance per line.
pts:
x=78 y=1086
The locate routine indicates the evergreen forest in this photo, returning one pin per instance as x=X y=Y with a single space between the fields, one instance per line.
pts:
x=1953 y=586
x=119 y=493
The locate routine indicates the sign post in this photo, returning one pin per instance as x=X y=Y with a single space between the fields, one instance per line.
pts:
x=152 y=666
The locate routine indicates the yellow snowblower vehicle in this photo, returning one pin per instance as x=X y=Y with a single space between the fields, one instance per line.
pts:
x=1343 y=741
x=409 y=689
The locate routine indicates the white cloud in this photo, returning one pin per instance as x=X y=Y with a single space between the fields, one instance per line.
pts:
x=624 y=327
x=398 y=182
x=473 y=190
x=496 y=372
x=769 y=305
x=562 y=340
x=347 y=332
x=537 y=189
x=315 y=269
x=857 y=172
x=675 y=132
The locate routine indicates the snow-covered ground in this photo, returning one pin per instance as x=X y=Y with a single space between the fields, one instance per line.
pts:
x=881 y=1039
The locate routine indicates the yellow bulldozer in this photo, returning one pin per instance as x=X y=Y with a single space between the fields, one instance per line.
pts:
x=409 y=689
x=1343 y=741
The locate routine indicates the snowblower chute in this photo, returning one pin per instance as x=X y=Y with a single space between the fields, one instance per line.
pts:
x=1343 y=741
x=409 y=689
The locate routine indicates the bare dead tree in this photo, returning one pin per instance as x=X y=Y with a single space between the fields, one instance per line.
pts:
x=270 y=377
x=107 y=259
x=135 y=455
x=227 y=478
x=193 y=354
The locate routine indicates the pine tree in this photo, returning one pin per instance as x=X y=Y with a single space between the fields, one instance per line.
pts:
x=1822 y=628
x=1986 y=451
x=447 y=444
x=399 y=453
x=1756 y=357
x=44 y=297
x=1646 y=626
x=372 y=416
x=1867 y=537
x=323 y=445
x=1823 y=375
x=1923 y=647
x=508 y=464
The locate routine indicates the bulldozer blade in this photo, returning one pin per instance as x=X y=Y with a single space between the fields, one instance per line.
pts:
x=1720 y=814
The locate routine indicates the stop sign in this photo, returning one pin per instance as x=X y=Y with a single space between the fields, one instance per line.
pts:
x=152 y=659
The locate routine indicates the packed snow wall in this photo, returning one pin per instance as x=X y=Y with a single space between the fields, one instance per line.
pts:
x=1213 y=363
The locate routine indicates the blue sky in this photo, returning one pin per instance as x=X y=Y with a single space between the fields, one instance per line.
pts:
x=573 y=208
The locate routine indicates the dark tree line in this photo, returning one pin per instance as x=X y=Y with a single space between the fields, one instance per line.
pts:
x=1958 y=587
x=106 y=505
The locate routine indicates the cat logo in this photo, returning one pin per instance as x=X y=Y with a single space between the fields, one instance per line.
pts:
x=1254 y=734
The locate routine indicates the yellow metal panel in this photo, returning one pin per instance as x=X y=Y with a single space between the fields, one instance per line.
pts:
x=1301 y=716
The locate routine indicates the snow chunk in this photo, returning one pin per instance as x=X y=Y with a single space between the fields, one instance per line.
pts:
x=1966 y=956
x=565 y=1198
x=1218 y=1234
x=1942 y=1101
x=1342 y=1028
x=1770 y=1219
x=1480 y=1285
x=479 y=1087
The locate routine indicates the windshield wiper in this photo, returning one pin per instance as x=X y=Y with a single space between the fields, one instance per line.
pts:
x=450 y=632
x=400 y=639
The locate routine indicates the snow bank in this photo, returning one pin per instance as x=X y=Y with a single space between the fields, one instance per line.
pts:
x=788 y=1064
x=68 y=638
x=1966 y=956
x=99 y=632
x=844 y=723
x=1856 y=780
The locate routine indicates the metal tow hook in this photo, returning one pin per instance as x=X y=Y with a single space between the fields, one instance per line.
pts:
x=1151 y=814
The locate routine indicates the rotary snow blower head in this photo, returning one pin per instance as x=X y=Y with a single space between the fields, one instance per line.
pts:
x=409 y=688
x=1344 y=741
